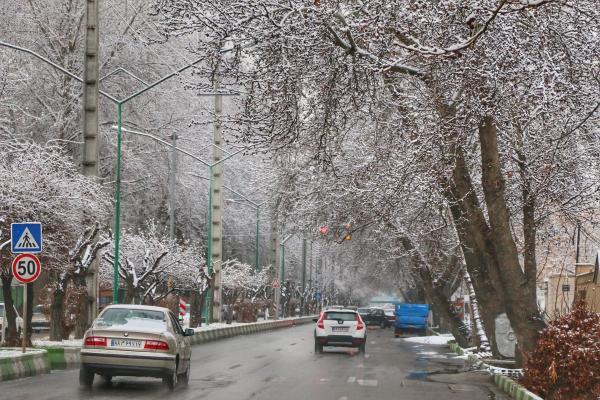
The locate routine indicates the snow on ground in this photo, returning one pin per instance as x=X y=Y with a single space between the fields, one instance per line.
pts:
x=216 y=325
x=64 y=343
x=12 y=352
x=442 y=339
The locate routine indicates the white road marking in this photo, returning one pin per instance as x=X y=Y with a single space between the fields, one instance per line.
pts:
x=367 y=355
x=352 y=379
x=343 y=398
x=360 y=366
x=324 y=380
x=367 y=382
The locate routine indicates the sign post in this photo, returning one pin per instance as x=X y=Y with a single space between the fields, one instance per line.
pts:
x=26 y=268
x=25 y=239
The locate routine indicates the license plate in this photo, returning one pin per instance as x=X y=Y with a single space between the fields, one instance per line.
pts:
x=340 y=329
x=127 y=343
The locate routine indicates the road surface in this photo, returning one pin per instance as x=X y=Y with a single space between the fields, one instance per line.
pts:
x=282 y=365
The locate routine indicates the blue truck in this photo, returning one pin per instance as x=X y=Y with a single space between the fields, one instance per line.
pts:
x=411 y=317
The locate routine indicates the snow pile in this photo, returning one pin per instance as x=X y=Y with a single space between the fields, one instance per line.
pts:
x=442 y=339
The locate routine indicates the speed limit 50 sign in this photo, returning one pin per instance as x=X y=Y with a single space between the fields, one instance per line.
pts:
x=26 y=268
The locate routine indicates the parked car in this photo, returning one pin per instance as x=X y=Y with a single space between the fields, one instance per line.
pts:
x=19 y=321
x=376 y=316
x=344 y=328
x=39 y=320
x=135 y=340
x=390 y=315
x=411 y=317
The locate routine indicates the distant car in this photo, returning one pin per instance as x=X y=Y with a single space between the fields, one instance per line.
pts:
x=19 y=320
x=343 y=328
x=390 y=314
x=134 y=340
x=376 y=316
x=39 y=320
x=353 y=308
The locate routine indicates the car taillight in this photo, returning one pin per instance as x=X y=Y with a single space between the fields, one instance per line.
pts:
x=95 y=341
x=360 y=324
x=156 y=345
x=320 y=323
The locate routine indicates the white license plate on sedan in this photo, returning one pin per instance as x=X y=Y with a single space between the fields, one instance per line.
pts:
x=126 y=343
x=339 y=329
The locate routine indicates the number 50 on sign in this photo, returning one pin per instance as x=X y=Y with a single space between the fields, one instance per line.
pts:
x=26 y=268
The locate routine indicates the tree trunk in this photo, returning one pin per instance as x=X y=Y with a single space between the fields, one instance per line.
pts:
x=439 y=300
x=82 y=318
x=472 y=232
x=12 y=338
x=57 y=311
x=529 y=223
x=521 y=307
x=483 y=343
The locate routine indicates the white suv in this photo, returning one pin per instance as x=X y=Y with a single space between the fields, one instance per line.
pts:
x=344 y=328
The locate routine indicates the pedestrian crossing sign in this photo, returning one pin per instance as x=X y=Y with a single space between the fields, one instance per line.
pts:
x=26 y=237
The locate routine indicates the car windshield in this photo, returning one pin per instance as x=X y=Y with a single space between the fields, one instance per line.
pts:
x=1 y=309
x=38 y=310
x=126 y=318
x=364 y=310
x=336 y=316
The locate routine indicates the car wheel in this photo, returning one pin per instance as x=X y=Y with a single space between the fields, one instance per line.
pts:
x=171 y=380
x=318 y=347
x=185 y=378
x=86 y=377
x=362 y=349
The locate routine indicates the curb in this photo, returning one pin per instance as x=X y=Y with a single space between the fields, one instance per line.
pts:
x=24 y=365
x=503 y=382
x=513 y=389
x=43 y=360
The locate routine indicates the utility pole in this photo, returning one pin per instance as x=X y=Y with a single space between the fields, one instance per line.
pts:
x=217 y=203
x=303 y=276
x=274 y=259
x=90 y=131
x=172 y=182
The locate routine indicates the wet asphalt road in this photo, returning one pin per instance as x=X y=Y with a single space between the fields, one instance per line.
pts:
x=281 y=364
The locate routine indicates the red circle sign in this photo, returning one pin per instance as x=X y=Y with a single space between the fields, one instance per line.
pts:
x=26 y=268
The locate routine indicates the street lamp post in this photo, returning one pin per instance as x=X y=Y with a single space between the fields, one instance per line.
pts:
x=281 y=275
x=256 y=206
x=210 y=193
x=120 y=103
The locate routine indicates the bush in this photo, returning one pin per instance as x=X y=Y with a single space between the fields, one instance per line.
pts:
x=566 y=362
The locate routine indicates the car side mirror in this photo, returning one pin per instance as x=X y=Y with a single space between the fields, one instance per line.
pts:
x=315 y=319
x=189 y=332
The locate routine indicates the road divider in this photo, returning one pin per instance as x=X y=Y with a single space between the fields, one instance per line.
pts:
x=54 y=357
x=33 y=362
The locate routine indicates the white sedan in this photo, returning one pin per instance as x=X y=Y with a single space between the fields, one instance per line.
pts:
x=343 y=328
